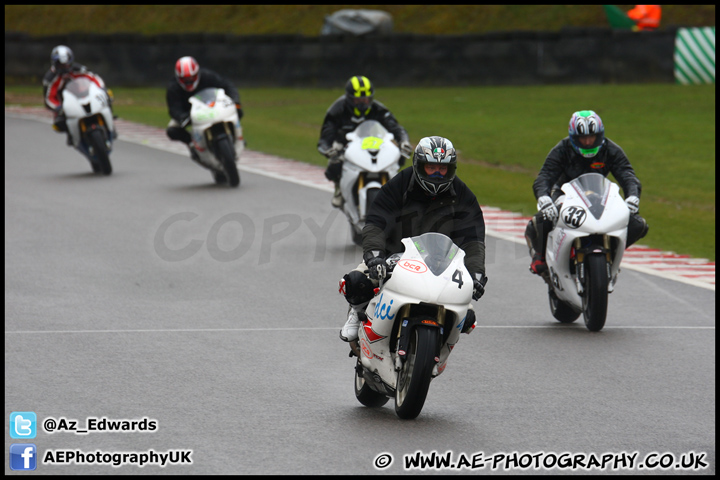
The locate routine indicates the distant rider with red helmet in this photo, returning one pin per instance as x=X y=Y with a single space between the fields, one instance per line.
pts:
x=190 y=79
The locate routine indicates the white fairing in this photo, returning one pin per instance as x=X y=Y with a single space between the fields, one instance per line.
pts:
x=431 y=270
x=208 y=107
x=82 y=98
x=592 y=205
x=369 y=149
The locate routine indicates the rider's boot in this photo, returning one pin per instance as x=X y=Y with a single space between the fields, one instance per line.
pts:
x=538 y=265
x=337 y=200
x=194 y=155
x=349 y=331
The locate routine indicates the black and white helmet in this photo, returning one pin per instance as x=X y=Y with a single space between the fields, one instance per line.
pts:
x=434 y=164
x=61 y=59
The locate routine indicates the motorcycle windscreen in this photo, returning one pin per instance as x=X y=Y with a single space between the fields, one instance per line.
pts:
x=207 y=95
x=436 y=250
x=594 y=190
x=371 y=128
x=80 y=87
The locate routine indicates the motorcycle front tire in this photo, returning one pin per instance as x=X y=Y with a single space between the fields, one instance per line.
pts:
x=595 y=297
x=226 y=155
x=96 y=139
x=413 y=379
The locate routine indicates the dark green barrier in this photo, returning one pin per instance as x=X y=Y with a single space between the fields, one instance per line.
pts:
x=571 y=56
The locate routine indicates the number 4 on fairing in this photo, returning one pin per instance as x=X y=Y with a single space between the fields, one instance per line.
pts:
x=457 y=278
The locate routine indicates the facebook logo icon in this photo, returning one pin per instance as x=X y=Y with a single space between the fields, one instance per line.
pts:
x=23 y=456
x=23 y=424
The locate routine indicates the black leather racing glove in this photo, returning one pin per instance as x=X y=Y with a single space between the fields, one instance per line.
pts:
x=479 y=281
x=375 y=261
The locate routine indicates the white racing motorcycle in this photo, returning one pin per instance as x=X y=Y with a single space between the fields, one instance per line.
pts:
x=217 y=136
x=409 y=328
x=89 y=121
x=371 y=160
x=585 y=248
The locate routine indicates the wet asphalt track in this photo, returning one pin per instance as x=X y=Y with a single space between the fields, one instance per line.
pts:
x=155 y=294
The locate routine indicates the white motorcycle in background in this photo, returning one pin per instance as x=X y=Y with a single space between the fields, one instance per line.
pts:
x=371 y=160
x=585 y=248
x=89 y=121
x=411 y=325
x=216 y=134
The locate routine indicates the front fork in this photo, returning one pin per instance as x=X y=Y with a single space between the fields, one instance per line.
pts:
x=577 y=257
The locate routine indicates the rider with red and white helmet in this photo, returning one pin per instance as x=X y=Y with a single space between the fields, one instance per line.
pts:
x=189 y=79
x=63 y=69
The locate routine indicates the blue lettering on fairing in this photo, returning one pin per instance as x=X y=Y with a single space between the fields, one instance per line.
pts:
x=382 y=310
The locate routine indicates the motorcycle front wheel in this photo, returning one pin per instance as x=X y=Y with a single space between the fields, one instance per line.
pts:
x=96 y=139
x=413 y=380
x=595 y=298
x=366 y=395
x=226 y=154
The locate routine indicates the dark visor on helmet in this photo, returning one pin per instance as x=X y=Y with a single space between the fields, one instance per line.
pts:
x=361 y=101
x=189 y=81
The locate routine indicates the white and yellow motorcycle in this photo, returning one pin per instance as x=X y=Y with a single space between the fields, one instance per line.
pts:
x=371 y=160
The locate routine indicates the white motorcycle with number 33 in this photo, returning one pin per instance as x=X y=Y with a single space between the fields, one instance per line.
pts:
x=412 y=324
x=585 y=248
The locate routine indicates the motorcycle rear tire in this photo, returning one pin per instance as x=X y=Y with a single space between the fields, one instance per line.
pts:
x=366 y=395
x=562 y=311
x=413 y=380
x=226 y=154
x=96 y=139
x=595 y=298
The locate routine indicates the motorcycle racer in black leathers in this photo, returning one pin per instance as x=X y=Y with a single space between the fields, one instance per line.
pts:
x=190 y=79
x=584 y=150
x=343 y=116
x=426 y=198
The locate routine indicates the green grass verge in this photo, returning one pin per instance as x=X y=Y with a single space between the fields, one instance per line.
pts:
x=308 y=20
x=503 y=135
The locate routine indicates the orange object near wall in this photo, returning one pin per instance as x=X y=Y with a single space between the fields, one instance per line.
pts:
x=646 y=17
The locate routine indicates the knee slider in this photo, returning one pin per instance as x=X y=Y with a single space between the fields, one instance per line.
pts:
x=637 y=229
x=178 y=133
x=645 y=226
x=469 y=322
x=530 y=230
x=358 y=288
x=333 y=172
